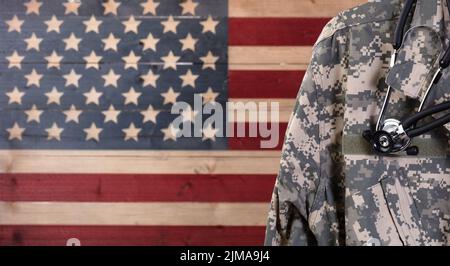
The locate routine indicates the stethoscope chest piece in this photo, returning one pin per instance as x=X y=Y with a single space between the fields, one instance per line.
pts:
x=391 y=138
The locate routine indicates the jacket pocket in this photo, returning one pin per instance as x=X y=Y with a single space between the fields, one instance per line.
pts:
x=379 y=203
x=369 y=220
x=403 y=209
x=429 y=183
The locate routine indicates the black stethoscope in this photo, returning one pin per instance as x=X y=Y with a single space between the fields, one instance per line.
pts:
x=394 y=136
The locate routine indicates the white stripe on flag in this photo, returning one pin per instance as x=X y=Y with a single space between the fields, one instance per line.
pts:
x=139 y=162
x=137 y=214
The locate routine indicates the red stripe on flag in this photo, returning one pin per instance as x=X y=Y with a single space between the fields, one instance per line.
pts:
x=249 y=143
x=136 y=188
x=264 y=84
x=132 y=235
x=275 y=31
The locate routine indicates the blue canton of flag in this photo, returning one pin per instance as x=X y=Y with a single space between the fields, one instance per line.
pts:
x=91 y=74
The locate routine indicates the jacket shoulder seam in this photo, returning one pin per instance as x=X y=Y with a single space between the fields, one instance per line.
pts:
x=346 y=27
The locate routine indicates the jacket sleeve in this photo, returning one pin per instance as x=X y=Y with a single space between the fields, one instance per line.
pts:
x=289 y=215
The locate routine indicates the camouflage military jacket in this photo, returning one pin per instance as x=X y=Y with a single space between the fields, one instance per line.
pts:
x=331 y=188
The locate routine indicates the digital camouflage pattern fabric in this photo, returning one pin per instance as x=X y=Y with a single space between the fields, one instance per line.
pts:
x=331 y=188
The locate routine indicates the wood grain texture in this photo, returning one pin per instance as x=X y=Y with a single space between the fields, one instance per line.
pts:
x=139 y=162
x=286 y=106
x=249 y=143
x=136 y=188
x=111 y=197
x=293 y=8
x=26 y=235
x=269 y=57
x=137 y=214
x=264 y=84
x=275 y=31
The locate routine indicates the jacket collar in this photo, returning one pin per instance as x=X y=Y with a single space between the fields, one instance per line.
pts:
x=424 y=41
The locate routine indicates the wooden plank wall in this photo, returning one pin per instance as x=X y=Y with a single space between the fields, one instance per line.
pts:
x=270 y=43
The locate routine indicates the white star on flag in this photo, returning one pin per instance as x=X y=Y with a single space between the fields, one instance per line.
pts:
x=53 y=24
x=150 y=115
x=15 y=24
x=53 y=60
x=111 y=114
x=54 y=132
x=189 y=79
x=149 y=7
x=33 y=42
x=71 y=7
x=15 y=96
x=92 y=25
x=110 y=7
x=188 y=7
x=111 y=78
x=150 y=79
x=72 y=78
x=33 y=78
x=15 y=132
x=131 y=97
x=54 y=96
x=131 y=133
x=32 y=7
x=15 y=60
x=33 y=114
x=170 y=25
x=93 y=96
x=93 y=132
x=72 y=115
x=170 y=133
x=209 y=25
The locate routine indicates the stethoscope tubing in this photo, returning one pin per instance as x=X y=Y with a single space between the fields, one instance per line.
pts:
x=391 y=135
x=428 y=127
x=444 y=63
x=414 y=119
x=400 y=30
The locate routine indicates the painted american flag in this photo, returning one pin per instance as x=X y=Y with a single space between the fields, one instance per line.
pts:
x=87 y=154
